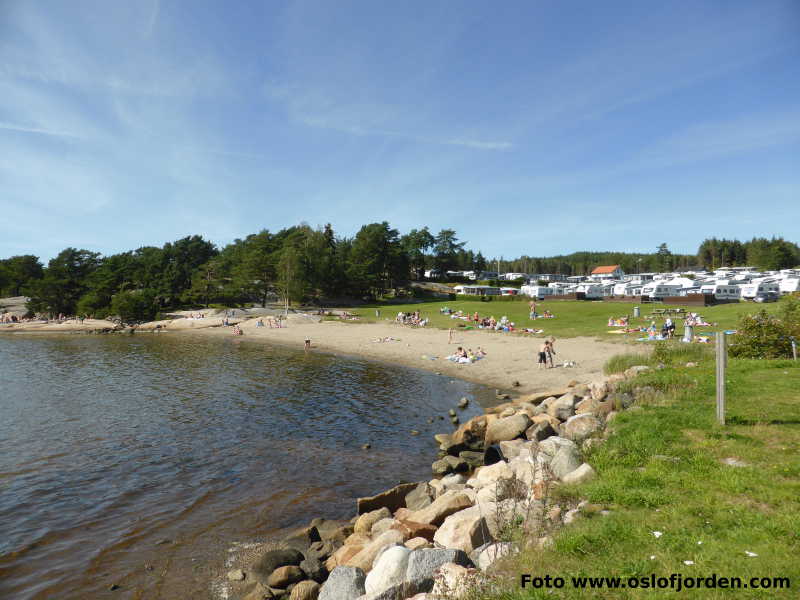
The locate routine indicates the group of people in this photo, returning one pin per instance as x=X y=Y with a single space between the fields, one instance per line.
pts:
x=196 y=316
x=534 y=315
x=695 y=320
x=466 y=356
x=618 y=322
x=237 y=330
x=546 y=353
x=411 y=318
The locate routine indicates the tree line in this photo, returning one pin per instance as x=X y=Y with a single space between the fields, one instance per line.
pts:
x=302 y=263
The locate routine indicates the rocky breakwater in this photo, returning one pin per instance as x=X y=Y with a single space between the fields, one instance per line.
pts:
x=440 y=538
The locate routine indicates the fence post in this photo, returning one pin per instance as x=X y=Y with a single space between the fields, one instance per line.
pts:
x=722 y=361
x=794 y=349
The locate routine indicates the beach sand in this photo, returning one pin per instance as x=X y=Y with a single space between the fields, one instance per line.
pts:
x=510 y=357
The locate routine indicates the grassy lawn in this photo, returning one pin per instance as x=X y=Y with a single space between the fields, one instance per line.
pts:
x=661 y=471
x=572 y=318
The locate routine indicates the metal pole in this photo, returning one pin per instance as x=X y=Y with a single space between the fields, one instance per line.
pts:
x=794 y=349
x=721 y=363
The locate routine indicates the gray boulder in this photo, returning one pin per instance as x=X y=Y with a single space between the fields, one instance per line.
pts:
x=422 y=566
x=314 y=569
x=508 y=428
x=420 y=497
x=540 y=431
x=580 y=427
x=344 y=583
x=565 y=461
x=563 y=408
x=389 y=570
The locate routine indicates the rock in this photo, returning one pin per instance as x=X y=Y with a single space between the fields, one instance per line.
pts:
x=367 y=520
x=554 y=514
x=511 y=448
x=580 y=427
x=565 y=461
x=691 y=364
x=733 y=462
x=453 y=582
x=364 y=559
x=358 y=538
x=540 y=431
x=455 y=420
x=305 y=590
x=472 y=458
x=417 y=543
x=314 y=569
x=463 y=403
x=381 y=526
x=423 y=564
x=508 y=428
x=571 y=516
x=466 y=530
x=451 y=412
x=343 y=555
x=491 y=474
x=236 y=575
x=420 y=497
x=492 y=455
x=449 y=464
x=259 y=592
x=412 y=529
x=539 y=397
x=414 y=432
x=552 y=445
x=332 y=529
x=388 y=571
x=491 y=553
x=441 y=508
x=366 y=446
x=620 y=401
x=563 y=408
x=583 y=473
x=392 y=499
x=471 y=433
x=598 y=390
x=282 y=577
x=634 y=371
x=273 y=559
x=508 y=412
x=611 y=416
x=301 y=539
x=344 y=583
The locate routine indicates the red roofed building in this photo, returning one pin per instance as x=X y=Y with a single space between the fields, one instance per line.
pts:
x=609 y=272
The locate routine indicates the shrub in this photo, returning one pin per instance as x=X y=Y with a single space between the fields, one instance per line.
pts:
x=765 y=336
x=134 y=306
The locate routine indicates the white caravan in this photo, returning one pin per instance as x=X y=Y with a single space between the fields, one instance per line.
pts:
x=789 y=285
x=537 y=291
x=659 y=289
x=751 y=290
x=722 y=290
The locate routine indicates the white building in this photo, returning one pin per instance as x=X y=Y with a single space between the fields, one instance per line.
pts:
x=537 y=291
x=608 y=272
x=477 y=290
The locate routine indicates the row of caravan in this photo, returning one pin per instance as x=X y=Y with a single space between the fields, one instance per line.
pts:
x=721 y=290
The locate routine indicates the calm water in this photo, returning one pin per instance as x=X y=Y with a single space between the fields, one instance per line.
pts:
x=138 y=460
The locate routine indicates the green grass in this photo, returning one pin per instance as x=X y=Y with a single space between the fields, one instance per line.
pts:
x=572 y=318
x=661 y=471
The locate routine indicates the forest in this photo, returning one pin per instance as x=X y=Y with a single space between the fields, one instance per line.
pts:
x=305 y=264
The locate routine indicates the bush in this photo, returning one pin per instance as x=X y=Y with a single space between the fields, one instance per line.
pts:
x=765 y=336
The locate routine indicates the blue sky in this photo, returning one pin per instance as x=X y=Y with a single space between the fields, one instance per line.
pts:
x=529 y=127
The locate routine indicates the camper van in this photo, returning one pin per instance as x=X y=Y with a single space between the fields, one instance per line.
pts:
x=751 y=290
x=722 y=290
x=657 y=290
x=477 y=290
x=537 y=291
x=789 y=285
x=591 y=290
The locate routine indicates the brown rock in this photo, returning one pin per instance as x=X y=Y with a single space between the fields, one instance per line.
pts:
x=367 y=520
x=283 y=577
x=305 y=590
x=412 y=529
x=417 y=544
x=508 y=428
x=342 y=555
x=358 y=538
x=445 y=505
x=364 y=559
x=392 y=499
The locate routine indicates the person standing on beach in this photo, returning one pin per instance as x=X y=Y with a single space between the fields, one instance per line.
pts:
x=551 y=351
x=543 y=355
x=532 y=304
x=307 y=345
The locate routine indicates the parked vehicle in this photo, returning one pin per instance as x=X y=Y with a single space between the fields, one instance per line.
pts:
x=766 y=297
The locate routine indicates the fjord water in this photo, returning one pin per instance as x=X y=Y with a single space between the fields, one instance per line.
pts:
x=139 y=460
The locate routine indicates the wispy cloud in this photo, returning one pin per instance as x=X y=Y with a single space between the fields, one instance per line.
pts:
x=38 y=130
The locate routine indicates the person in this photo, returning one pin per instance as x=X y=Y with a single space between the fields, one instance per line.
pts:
x=480 y=352
x=307 y=345
x=551 y=351
x=532 y=304
x=450 y=336
x=543 y=355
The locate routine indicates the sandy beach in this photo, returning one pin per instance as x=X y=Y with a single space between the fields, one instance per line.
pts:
x=510 y=358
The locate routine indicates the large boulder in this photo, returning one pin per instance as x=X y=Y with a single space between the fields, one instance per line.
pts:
x=553 y=444
x=473 y=459
x=565 y=461
x=491 y=474
x=598 y=389
x=580 y=427
x=470 y=435
x=364 y=559
x=563 y=408
x=314 y=569
x=445 y=505
x=389 y=570
x=466 y=530
x=367 y=520
x=423 y=565
x=392 y=499
x=491 y=553
x=344 y=583
x=420 y=497
x=508 y=428
x=540 y=431
x=301 y=539
x=449 y=464
x=454 y=582
x=634 y=371
x=342 y=555
x=273 y=559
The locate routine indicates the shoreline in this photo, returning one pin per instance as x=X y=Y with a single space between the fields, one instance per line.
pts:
x=510 y=362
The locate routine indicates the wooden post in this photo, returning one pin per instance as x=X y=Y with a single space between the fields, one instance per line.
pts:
x=722 y=361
